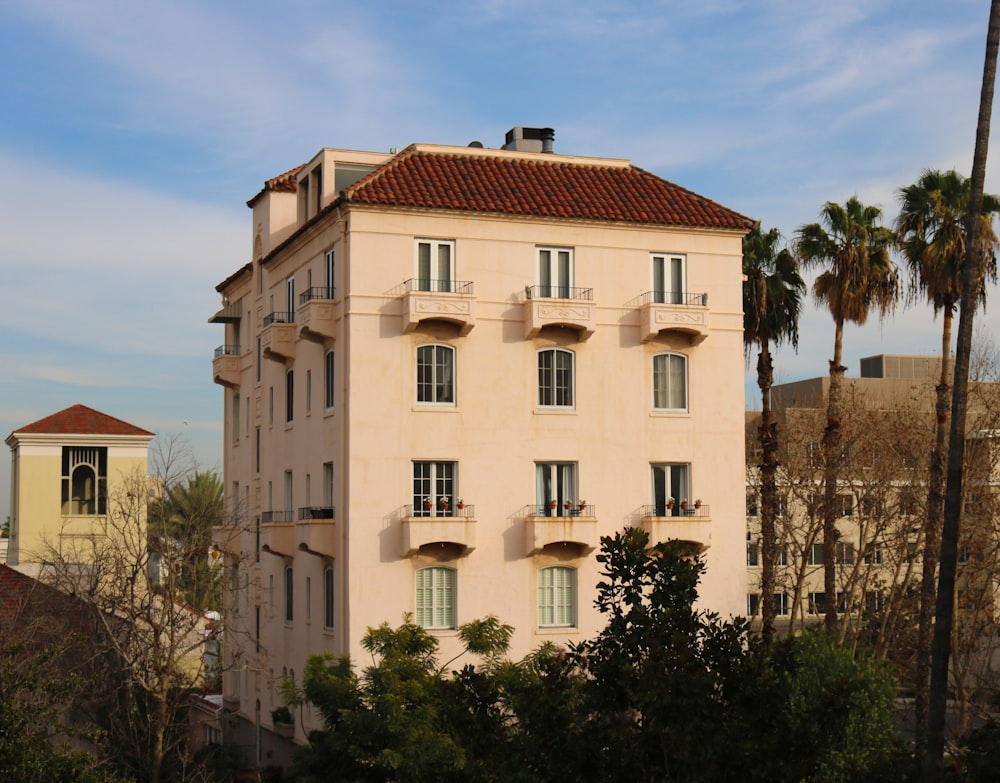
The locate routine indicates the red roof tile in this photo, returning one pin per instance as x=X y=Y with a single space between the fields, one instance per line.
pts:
x=283 y=183
x=81 y=420
x=543 y=188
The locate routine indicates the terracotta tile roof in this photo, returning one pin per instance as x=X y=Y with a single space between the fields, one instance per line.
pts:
x=532 y=187
x=81 y=420
x=283 y=183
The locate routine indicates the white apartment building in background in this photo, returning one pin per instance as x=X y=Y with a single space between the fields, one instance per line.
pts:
x=447 y=372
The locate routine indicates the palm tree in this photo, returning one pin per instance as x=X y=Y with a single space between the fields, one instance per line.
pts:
x=852 y=249
x=930 y=231
x=772 y=300
x=971 y=280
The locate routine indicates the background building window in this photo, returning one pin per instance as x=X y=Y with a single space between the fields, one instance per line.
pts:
x=435 y=598
x=555 y=378
x=557 y=597
x=670 y=382
x=436 y=374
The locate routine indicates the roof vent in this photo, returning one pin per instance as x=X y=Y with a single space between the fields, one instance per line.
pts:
x=477 y=144
x=521 y=139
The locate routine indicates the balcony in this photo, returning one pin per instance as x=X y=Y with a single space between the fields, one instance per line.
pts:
x=422 y=526
x=226 y=366
x=277 y=533
x=278 y=337
x=315 y=531
x=692 y=524
x=316 y=317
x=561 y=524
x=666 y=311
x=452 y=301
x=553 y=305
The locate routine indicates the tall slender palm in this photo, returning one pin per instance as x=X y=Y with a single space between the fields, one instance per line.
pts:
x=852 y=249
x=772 y=300
x=930 y=230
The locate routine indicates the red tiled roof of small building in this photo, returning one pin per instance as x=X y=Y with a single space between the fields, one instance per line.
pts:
x=81 y=420
x=283 y=183
x=533 y=187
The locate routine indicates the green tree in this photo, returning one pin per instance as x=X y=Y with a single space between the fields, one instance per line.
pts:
x=772 y=301
x=930 y=231
x=857 y=275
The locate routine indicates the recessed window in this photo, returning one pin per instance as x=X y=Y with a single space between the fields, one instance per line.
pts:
x=671 y=482
x=668 y=279
x=670 y=377
x=84 y=480
x=557 y=597
x=556 y=482
x=435 y=265
x=434 y=489
x=555 y=272
x=436 y=374
x=289 y=595
x=236 y=418
x=780 y=604
x=555 y=378
x=289 y=396
x=328 y=597
x=328 y=388
x=435 y=598
x=753 y=555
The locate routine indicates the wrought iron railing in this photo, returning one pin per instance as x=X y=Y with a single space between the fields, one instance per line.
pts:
x=564 y=509
x=437 y=286
x=278 y=317
x=318 y=292
x=227 y=350
x=683 y=298
x=558 y=292
x=267 y=517
x=438 y=510
x=677 y=510
x=316 y=512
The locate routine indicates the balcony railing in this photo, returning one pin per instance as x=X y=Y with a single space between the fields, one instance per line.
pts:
x=278 y=317
x=421 y=510
x=318 y=292
x=316 y=512
x=683 y=298
x=227 y=350
x=661 y=510
x=438 y=286
x=563 y=510
x=267 y=517
x=558 y=292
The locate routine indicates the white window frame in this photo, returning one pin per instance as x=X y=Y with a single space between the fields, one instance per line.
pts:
x=557 y=597
x=665 y=383
x=669 y=278
x=434 y=263
x=434 y=480
x=556 y=378
x=555 y=272
x=434 y=597
x=435 y=376
x=557 y=481
x=670 y=480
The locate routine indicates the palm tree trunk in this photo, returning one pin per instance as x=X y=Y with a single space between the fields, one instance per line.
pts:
x=932 y=539
x=768 y=434
x=972 y=276
x=831 y=474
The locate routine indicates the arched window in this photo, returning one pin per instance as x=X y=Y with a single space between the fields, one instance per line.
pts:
x=436 y=374
x=555 y=378
x=670 y=374
x=557 y=597
x=84 y=480
x=435 y=597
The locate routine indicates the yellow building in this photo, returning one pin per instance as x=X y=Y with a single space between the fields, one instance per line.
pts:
x=63 y=470
x=448 y=372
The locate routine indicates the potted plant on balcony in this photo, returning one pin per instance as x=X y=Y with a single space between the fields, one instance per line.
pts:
x=427 y=504
x=581 y=504
x=697 y=503
x=567 y=504
x=443 y=502
x=684 y=504
x=670 y=504
x=283 y=722
x=460 y=503
x=552 y=504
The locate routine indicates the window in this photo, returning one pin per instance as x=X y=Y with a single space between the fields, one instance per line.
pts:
x=670 y=480
x=557 y=597
x=781 y=604
x=556 y=481
x=753 y=554
x=289 y=396
x=668 y=279
x=289 y=595
x=753 y=604
x=84 y=480
x=816 y=554
x=817 y=603
x=753 y=508
x=435 y=599
x=329 y=269
x=873 y=601
x=309 y=391
x=555 y=272
x=236 y=587
x=328 y=597
x=289 y=496
x=845 y=553
x=270 y=405
x=873 y=555
x=814 y=454
x=433 y=488
x=435 y=265
x=236 y=418
x=555 y=378
x=308 y=599
x=260 y=356
x=290 y=298
x=328 y=484
x=670 y=382
x=436 y=374
x=845 y=505
x=328 y=393
x=256 y=451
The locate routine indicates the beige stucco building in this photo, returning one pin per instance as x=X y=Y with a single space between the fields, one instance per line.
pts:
x=63 y=470
x=448 y=372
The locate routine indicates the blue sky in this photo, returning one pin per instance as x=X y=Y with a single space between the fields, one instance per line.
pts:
x=133 y=134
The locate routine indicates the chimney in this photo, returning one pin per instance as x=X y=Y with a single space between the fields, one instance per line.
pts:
x=521 y=139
